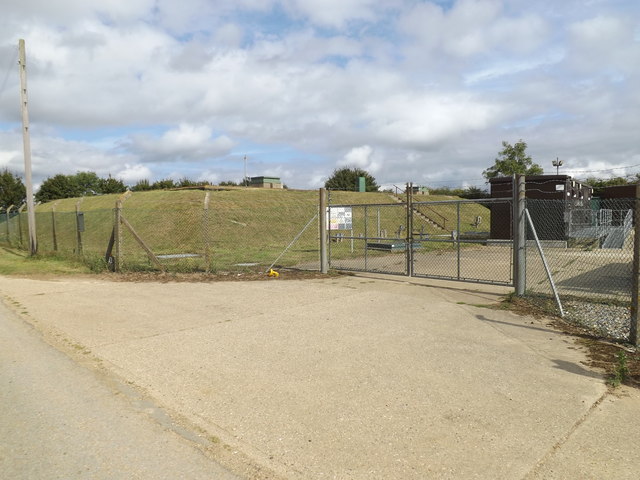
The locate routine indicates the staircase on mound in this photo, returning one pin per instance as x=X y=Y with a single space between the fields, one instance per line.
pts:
x=440 y=224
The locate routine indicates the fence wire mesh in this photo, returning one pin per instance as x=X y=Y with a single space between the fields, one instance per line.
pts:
x=454 y=240
x=368 y=237
x=588 y=249
x=229 y=234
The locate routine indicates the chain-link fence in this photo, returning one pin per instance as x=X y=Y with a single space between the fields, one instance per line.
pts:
x=448 y=239
x=198 y=232
x=578 y=255
x=588 y=252
x=368 y=237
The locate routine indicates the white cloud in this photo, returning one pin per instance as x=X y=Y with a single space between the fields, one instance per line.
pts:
x=186 y=142
x=333 y=13
x=361 y=157
x=131 y=174
x=402 y=87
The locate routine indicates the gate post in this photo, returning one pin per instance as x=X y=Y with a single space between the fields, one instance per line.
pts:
x=634 y=337
x=324 y=265
x=519 y=234
x=409 y=238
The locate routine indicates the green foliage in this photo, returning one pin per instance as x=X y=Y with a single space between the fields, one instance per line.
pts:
x=186 y=182
x=111 y=185
x=12 y=190
x=164 y=184
x=58 y=186
x=599 y=184
x=513 y=159
x=79 y=185
x=621 y=372
x=228 y=183
x=468 y=192
x=346 y=179
x=142 y=186
x=85 y=183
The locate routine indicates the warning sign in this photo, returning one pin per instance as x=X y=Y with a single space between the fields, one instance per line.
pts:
x=340 y=218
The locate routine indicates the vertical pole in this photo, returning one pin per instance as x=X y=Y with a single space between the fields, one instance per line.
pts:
x=8 y=229
x=634 y=333
x=324 y=265
x=20 y=226
x=519 y=234
x=409 y=230
x=118 y=234
x=53 y=227
x=78 y=232
x=457 y=239
x=378 y=230
x=33 y=242
x=205 y=232
x=366 y=234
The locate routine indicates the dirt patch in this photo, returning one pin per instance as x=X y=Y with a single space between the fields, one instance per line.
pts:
x=601 y=354
x=214 y=277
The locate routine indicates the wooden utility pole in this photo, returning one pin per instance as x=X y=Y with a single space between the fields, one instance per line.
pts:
x=31 y=216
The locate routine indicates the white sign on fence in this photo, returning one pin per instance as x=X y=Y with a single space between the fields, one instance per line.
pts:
x=339 y=218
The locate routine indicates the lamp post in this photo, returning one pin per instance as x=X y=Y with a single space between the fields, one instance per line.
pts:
x=557 y=163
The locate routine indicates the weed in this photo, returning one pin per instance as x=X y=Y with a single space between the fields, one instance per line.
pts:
x=621 y=372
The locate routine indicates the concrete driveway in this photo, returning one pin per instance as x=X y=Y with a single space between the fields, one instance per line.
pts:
x=348 y=377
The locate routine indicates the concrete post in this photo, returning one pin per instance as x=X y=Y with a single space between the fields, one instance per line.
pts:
x=409 y=231
x=519 y=235
x=635 y=293
x=324 y=264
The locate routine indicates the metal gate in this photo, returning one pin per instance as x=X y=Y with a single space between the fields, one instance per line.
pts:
x=463 y=240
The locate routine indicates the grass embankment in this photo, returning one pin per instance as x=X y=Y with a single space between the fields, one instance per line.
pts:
x=240 y=226
x=18 y=262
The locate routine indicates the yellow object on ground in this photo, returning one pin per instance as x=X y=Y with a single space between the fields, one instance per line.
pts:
x=273 y=273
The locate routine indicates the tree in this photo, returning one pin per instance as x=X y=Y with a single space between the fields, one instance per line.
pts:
x=513 y=159
x=473 y=193
x=58 y=186
x=163 y=184
x=141 y=186
x=346 y=178
x=599 y=184
x=12 y=191
x=111 y=185
x=86 y=183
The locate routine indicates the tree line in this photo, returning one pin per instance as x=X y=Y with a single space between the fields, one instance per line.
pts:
x=13 y=191
x=512 y=159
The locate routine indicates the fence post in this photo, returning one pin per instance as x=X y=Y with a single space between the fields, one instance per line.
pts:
x=324 y=264
x=205 y=232
x=635 y=293
x=117 y=222
x=519 y=234
x=53 y=227
x=8 y=230
x=20 y=224
x=409 y=238
x=79 y=227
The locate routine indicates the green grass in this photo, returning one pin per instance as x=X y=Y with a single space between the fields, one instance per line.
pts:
x=18 y=262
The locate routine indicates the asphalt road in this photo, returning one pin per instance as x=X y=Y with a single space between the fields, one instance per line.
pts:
x=60 y=420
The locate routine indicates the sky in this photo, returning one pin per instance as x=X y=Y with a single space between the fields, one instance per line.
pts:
x=409 y=90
